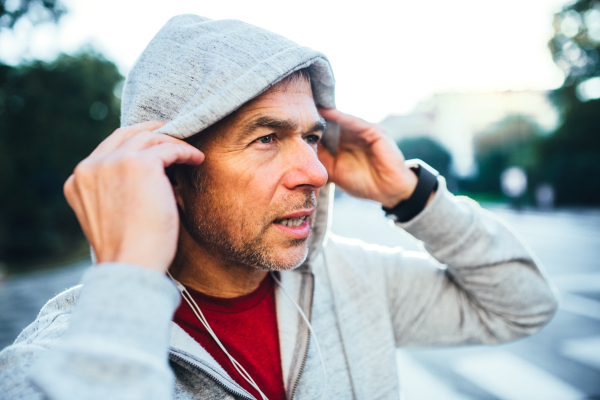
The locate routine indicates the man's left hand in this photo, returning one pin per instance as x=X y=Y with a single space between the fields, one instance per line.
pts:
x=368 y=163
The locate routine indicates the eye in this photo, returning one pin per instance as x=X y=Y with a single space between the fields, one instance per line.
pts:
x=313 y=139
x=266 y=139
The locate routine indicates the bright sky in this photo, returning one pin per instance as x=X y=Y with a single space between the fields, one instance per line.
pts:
x=386 y=55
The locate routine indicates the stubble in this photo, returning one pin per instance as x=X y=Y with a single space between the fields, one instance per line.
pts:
x=225 y=233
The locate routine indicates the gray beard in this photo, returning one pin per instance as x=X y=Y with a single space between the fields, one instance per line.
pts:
x=250 y=252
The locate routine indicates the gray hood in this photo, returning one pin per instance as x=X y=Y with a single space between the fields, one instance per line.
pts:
x=195 y=71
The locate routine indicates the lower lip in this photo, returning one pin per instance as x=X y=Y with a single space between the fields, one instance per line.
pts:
x=296 y=232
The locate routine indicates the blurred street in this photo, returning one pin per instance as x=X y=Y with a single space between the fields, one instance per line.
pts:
x=560 y=362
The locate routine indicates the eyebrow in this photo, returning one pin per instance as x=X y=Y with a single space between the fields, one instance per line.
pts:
x=281 y=124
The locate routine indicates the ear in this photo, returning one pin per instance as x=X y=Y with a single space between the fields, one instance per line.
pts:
x=174 y=175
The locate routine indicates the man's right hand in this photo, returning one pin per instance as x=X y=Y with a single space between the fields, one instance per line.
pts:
x=123 y=199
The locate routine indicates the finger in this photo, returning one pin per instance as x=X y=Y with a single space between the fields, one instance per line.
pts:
x=176 y=153
x=73 y=196
x=326 y=159
x=346 y=121
x=119 y=136
x=145 y=139
x=69 y=192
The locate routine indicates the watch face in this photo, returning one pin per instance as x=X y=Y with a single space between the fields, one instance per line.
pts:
x=415 y=163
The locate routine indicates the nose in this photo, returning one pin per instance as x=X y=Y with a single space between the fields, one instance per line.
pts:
x=303 y=167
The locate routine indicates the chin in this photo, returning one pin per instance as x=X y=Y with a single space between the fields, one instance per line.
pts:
x=285 y=260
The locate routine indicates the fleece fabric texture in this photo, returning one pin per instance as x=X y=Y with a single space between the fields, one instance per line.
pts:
x=113 y=337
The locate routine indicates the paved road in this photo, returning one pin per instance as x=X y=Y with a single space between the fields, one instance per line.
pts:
x=562 y=362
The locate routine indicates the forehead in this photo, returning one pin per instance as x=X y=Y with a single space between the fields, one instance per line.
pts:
x=289 y=99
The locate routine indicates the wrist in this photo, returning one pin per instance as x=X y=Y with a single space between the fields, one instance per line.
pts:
x=421 y=195
x=410 y=181
x=155 y=262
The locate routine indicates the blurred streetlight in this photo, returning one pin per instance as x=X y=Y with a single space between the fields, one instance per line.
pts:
x=513 y=182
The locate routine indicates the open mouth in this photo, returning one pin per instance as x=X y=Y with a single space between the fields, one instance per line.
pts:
x=295 y=225
x=292 y=222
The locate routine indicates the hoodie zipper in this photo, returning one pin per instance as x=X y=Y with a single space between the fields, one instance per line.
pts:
x=215 y=378
x=312 y=295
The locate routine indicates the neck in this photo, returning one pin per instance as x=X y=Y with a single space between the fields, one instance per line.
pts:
x=197 y=268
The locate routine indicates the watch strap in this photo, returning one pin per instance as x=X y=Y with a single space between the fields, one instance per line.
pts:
x=411 y=207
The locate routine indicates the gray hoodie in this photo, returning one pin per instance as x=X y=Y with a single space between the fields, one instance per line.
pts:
x=113 y=338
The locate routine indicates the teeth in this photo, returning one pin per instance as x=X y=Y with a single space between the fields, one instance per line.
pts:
x=292 y=221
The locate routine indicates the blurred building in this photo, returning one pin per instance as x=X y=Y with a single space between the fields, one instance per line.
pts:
x=455 y=118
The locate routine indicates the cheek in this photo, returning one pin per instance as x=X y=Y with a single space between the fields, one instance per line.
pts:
x=248 y=187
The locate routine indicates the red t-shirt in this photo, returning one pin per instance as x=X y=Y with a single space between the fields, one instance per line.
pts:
x=247 y=327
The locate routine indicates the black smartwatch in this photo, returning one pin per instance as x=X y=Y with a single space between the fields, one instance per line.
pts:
x=411 y=207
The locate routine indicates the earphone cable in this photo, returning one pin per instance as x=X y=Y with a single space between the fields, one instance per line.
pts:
x=196 y=310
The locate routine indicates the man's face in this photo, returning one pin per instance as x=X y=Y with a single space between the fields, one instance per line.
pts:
x=254 y=198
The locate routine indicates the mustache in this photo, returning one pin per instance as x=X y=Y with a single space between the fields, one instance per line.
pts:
x=309 y=201
x=288 y=206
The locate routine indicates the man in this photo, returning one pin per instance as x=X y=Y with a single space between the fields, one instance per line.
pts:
x=245 y=203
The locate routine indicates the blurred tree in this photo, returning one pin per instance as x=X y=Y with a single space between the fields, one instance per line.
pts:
x=432 y=152
x=510 y=142
x=52 y=115
x=569 y=158
x=38 y=11
x=575 y=47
